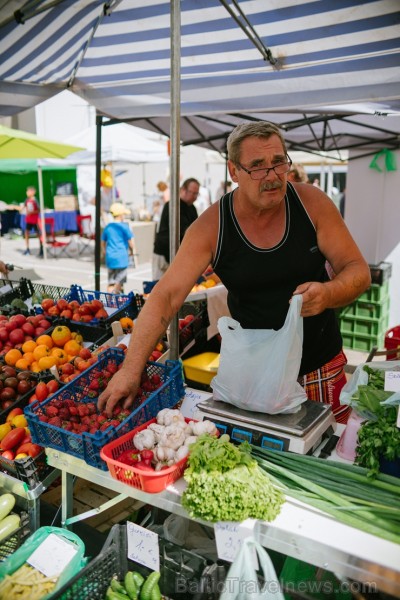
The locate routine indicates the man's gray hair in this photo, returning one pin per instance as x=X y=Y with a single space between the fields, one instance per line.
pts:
x=261 y=129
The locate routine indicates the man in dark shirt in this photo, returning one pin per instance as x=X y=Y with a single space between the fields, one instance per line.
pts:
x=187 y=215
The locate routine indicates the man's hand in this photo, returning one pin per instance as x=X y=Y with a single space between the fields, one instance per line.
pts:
x=120 y=388
x=315 y=298
x=3 y=268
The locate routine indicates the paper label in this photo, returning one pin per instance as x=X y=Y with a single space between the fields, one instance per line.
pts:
x=191 y=400
x=52 y=556
x=143 y=546
x=392 y=381
x=229 y=537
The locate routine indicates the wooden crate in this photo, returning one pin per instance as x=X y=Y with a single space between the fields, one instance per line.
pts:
x=89 y=495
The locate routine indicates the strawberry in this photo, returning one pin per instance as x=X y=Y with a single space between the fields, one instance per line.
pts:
x=91 y=408
x=55 y=421
x=64 y=413
x=115 y=422
x=51 y=411
x=83 y=410
x=73 y=410
x=43 y=418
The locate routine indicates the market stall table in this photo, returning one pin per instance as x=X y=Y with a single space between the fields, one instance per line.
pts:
x=299 y=531
x=64 y=220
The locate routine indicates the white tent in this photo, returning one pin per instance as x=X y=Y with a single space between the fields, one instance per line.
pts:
x=120 y=143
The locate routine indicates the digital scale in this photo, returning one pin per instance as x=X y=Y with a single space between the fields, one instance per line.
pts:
x=300 y=432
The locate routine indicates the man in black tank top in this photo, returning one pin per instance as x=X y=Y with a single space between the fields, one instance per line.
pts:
x=267 y=241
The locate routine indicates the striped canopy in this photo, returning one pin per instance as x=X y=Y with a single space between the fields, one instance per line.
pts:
x=327 y=71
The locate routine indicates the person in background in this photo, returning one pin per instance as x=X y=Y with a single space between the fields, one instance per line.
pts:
x=32 y=213
x=116 y=244
x=267 y=240
x=188 y=214
x=297 y=173
x=3 y=268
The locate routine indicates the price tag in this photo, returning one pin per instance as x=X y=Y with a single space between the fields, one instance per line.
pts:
x=52 y=556
x=392 y=381
x=54 y=372
x=143 y=546
x=229 y=537
x=191 y=400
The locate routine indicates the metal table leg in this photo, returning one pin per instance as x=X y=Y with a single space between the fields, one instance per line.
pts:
x=67 y=497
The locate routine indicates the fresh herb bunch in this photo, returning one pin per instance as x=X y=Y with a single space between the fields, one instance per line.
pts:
x=376 y=377
x=378 y=439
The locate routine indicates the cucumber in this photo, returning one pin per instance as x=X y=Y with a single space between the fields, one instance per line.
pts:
x=9 y=525
x=7 y=502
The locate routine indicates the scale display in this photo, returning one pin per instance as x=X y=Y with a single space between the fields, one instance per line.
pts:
x=299 y=432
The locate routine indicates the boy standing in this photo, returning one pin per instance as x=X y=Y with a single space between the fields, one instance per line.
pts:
x=32 y=217
x=116 y=243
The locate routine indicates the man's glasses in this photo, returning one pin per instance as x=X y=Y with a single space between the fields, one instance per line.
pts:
x=279 y=169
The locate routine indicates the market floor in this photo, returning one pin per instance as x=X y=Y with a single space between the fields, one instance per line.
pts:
x=63 y=271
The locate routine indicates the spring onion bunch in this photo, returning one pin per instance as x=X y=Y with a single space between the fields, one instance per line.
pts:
x=341 y=490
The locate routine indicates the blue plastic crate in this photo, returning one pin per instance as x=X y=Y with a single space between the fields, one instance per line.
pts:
x=87 y=446
x=125 y=304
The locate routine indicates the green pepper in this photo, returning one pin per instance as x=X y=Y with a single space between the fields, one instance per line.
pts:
x=147 y=588
x=112 y=595
x=139 y=579
x=116 y=586
x=155 y=593
x=130 y=586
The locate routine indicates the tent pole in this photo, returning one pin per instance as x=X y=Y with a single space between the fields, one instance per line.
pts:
x=174 y=221
x=42 y=217
x=97 y=246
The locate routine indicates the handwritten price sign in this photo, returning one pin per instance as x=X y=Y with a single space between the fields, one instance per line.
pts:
x=143 y=546
x=229 y=537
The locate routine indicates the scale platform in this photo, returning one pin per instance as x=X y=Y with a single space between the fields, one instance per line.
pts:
x=300 y=432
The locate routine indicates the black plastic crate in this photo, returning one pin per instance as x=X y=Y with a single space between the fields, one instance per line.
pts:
x=94 y=335
x=6 y=298
x=87 y=446
x=12 y=542
x=380 y=273
x=181 y=570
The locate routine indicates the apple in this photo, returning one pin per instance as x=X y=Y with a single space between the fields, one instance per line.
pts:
x=17 y=336
x=67 y=369
x=28 y=328
x=10 y=325
x=18 y=319
x=85 y=353
x=39 y=331
x=44 y=323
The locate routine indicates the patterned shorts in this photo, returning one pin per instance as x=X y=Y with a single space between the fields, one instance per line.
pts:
x=325 y=385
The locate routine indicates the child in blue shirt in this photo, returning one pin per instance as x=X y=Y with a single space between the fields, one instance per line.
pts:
x=116 y=244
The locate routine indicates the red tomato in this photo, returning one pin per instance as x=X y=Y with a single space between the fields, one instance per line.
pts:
x=13 y=438
x=8 y=454
x=41 y=391
x=52 y=386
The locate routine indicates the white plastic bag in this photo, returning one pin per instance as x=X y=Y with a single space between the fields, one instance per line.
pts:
x=242 y=582
x=258 y=368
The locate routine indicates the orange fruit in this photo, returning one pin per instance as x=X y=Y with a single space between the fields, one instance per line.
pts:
x=41 y=351
x=28 y=346
x=22 y=364
x=28 y=356
x=45 y=339
x=72 y=348
x=126 y=323
x=35 y=367
x=12 y=356
x=61 y=335
x=60 y=355
x=46 y=362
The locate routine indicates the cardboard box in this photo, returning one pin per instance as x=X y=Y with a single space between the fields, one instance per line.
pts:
x=66 y=203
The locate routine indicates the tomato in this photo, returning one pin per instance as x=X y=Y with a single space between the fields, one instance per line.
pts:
x=61 y=335
x=52 y=386
x=30 y=449
x=13 y=413
x=47 y=303
x=8 y=454
x=41 y=391
x=13 y=438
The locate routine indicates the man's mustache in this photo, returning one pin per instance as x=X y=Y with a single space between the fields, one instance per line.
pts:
x=271 y=185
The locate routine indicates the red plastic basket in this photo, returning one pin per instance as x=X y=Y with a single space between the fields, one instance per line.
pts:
x=143 y=480
x=392 y=343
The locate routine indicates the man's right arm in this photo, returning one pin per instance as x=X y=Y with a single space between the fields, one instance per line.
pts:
x=193 y=257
